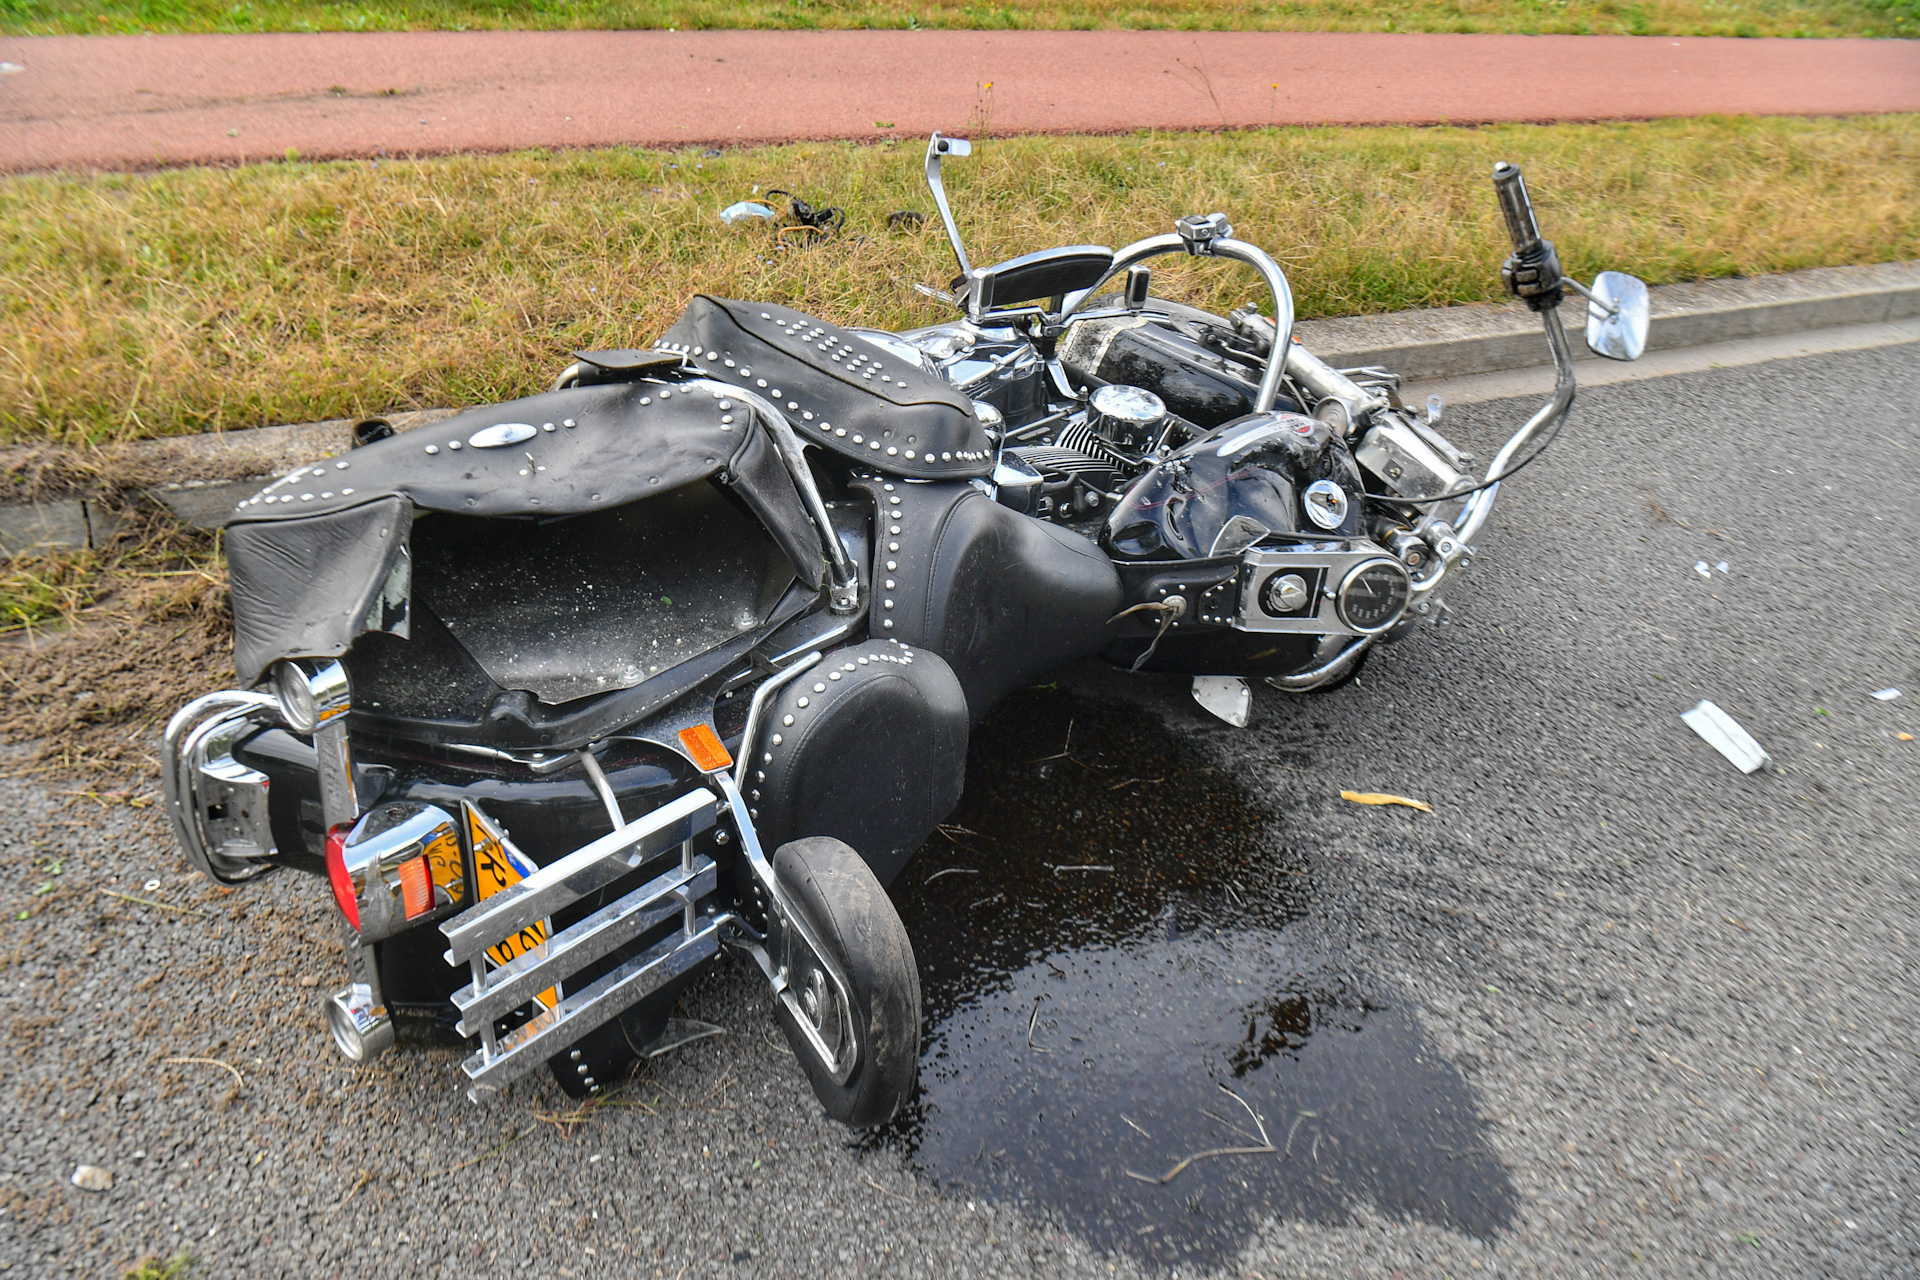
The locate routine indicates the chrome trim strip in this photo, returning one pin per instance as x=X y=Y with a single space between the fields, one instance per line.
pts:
x=582 y=943
x=581 y=872
x=527 y=1046
x=755 y=709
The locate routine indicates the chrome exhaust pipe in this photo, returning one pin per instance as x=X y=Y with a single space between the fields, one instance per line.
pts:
x=357 y=1015
x=1327 y=672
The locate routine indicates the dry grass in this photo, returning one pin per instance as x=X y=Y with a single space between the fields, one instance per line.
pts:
x=1579 y=17
x=191 y=300
x=102 y=646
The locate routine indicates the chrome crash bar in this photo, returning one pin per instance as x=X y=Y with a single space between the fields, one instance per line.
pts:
x=1212 y=237
x=217 y=805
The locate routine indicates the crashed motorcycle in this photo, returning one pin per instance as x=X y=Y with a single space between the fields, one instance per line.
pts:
x=567 y=696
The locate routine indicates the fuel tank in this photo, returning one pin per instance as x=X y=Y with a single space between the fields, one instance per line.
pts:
x=1179 y=353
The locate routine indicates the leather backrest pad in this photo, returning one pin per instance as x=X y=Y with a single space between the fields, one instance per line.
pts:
x=838 y=390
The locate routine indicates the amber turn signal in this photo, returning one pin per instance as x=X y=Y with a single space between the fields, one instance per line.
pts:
x=416 y=887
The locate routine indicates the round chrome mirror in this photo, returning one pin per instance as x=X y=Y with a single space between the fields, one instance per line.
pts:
x=1617 y=316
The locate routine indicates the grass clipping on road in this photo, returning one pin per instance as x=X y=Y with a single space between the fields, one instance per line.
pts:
x=1531 y=17
x=98 y=648
x=204 y=299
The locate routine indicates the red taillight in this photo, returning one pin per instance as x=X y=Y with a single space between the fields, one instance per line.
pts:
x=337 y=873
x=416 y=886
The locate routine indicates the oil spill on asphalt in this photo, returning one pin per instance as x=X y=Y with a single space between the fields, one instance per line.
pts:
x=1106 y=938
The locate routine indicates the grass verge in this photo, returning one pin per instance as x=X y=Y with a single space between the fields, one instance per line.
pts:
x=98 y=648
x=1575 y=17
x=194 y=300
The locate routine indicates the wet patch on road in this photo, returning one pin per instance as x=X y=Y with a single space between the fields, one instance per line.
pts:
x=1121 y=971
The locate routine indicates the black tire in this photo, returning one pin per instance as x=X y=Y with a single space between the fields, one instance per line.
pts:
x=855 y=921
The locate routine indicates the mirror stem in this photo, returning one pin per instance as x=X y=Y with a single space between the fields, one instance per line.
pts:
x=937 y=147
x=1611 y=308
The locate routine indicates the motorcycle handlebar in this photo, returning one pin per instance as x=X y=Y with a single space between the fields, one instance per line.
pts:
x=1512 y=190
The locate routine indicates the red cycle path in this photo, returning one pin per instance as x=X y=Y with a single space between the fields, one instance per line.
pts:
x=141 y=101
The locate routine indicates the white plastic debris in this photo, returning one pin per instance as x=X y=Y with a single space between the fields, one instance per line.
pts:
x=1228 y=697
x=89 y=1177
x=747 y=211
x=1724 y=734
x=1722 y=567
x=1886 y=695
x=1700 y=567
x=10 y=68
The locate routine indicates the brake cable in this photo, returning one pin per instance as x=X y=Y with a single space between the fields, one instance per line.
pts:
x=1488 y=483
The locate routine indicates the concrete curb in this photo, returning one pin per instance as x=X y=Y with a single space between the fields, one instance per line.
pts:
x=1418 y=345
x=1486 y=337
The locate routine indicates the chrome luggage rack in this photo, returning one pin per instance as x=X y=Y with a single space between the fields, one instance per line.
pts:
x=497 y=990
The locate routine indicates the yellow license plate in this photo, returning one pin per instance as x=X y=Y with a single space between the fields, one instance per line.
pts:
x=497 y=865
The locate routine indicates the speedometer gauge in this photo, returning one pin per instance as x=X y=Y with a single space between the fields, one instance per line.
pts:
x=1374 y=595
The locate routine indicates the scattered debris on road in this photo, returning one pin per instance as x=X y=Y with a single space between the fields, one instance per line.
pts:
x=1724 y=734
x=1886 y=695
x=1381 y=797
x=89 y=1177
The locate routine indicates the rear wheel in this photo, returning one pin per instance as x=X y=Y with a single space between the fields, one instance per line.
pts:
x=847 y=910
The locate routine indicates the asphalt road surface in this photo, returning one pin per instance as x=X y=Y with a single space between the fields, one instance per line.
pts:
x=1619 y=1007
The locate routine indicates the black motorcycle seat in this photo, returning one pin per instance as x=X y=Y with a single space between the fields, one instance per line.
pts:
x=1002 y=597
x=838 y=390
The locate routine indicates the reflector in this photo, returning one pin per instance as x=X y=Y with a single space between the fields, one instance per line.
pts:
x=704 y=747
x=343 y=892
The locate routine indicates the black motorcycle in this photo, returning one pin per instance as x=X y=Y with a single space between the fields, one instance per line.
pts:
x=568 y=695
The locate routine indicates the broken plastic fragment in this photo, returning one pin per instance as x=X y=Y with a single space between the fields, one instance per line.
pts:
x=1381 y=797
x=1700 y=567
x=1725 y=735
x=1886 y=695
x=747 y=211
x=1225 y=696
x=89 y=1177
